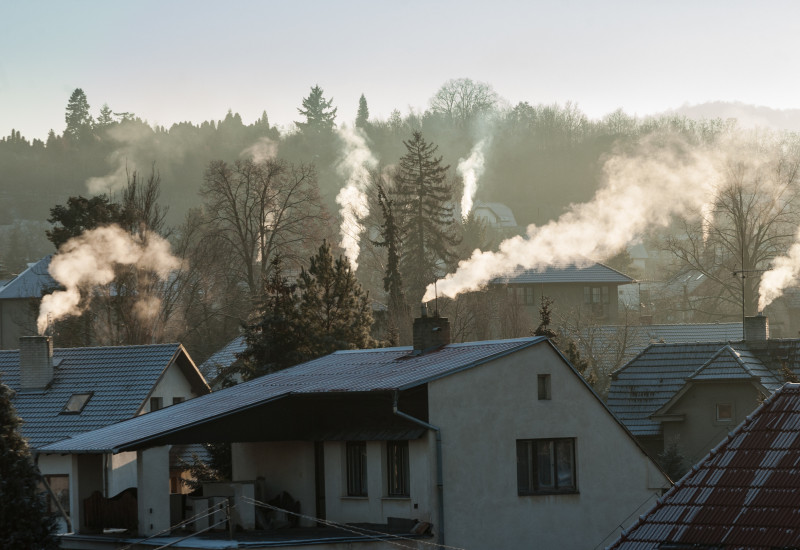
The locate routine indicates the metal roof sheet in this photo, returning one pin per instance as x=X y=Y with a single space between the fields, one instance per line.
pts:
x=31 y=283
x=744 y=494
x=120 y=378
x=223 y=358
x=370 y=370
x=566 y=273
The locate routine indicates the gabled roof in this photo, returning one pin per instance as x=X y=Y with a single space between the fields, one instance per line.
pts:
x=357 y=371
x=119 y=379
x=565 y=273
x=650 y=380
x=223 y=358
x=31 y=283
x=505 y=216
x=744 y=494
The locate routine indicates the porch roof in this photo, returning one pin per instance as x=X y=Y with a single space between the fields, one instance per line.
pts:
x=359 y=371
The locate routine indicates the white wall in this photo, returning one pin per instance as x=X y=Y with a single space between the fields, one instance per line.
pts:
x=122 y=472
x=483 y=411
x=172 y=384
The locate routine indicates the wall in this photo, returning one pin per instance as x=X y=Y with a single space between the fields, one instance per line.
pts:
x=700 y=431
x=17 y=318
x=122 y=472
x=483 y=411
x=172 y=384
x=58 y=465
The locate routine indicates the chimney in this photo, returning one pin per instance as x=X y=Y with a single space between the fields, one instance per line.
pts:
x=430 y=332
x=35 y=362
x=756 y=329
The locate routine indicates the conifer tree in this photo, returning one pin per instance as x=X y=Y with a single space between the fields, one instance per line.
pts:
x=320 y=117
x=24 y=522
x=423 y=201
x=362 y=118
x=79 y=121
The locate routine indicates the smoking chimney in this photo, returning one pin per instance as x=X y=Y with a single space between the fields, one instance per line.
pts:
x=35 y=362
x=756 y=329
x=430 y=332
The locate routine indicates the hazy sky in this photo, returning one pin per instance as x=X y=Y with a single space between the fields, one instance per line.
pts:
x=170 y=61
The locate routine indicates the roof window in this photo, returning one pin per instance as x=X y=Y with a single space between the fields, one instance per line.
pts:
x=76 y=403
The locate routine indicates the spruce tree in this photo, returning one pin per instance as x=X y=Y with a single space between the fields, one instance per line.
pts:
x=426 y=216
x=362 y=118
x=24 y=521
x=334 y=309
x=320 y=117
x=79 y=121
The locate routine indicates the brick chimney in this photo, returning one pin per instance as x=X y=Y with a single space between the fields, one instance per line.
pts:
x=430 y=332
x=756 y=329
x=35 y=362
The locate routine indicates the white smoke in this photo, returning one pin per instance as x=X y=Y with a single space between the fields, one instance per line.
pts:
x=356 y=162
x=784 y=272
x=89 y=260
x=641 y=190
x=261 y=151
x=471 y=169
x=114 y=180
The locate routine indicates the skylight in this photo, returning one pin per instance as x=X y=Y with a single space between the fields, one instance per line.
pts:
x=76 y=403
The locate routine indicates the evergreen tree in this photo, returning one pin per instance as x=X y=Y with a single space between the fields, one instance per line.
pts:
x=79 y=121
x=426 y=217
x=362 y=118
x=334 y=309
x=105 y=119
x=546 y=319
x=317 y=110
x=81 y=214
x=24 y=521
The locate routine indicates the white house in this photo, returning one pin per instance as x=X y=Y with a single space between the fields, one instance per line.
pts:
x=493 y=444
x=60 y=393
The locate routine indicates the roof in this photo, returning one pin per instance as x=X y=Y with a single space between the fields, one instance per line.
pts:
x=119 y=378
x=223 y=358
x=354 y=371
x=650 y=380
x=31 y=283
x=567 y=273
x=744 y=494
x=504 y=214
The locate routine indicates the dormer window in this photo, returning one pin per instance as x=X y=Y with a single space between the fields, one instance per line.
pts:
x=76 y=403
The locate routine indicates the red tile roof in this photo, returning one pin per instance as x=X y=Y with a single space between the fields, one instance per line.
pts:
x=744 y=494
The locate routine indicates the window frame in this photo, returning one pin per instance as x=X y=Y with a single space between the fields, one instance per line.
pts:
x=63 y=496
x=717 y=411
x=87 y=396
x=356 y=481
x=156 y=400
x=529 y=456
x=398 y=469
x=544 y=387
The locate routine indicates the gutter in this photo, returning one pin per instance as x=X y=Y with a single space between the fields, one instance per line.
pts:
x=439 y=469
x=50 y=492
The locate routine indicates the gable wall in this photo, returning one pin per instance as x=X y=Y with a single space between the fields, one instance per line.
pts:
x=483 y=411
x=172 y=384
x=17 y=318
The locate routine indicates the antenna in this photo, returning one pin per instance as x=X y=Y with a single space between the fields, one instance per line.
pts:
x=435 y=299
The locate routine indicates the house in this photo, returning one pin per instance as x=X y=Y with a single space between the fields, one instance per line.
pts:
x=63 y=392
x=690 y=395
x=590 y=290
x=744 y=494
x=214 y=368
x=493 y=444
x=496 y=215
x=19 y=302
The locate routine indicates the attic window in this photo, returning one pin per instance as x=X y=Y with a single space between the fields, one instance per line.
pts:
x=76 y=403
x=724 y=412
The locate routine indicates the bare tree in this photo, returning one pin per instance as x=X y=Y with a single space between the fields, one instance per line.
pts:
x=461 y=100
x=259 y=209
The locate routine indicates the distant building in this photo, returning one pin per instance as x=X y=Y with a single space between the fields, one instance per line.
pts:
x=496 y=215
x=19 y=302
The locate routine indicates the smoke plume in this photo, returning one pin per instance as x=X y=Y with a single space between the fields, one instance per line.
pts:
x=89 y=260
x=784 y=272
x=471 y=169
x=261 y=151
x=642 y=189
x=354 y=166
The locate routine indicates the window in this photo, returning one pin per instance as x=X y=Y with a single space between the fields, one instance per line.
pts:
x=397 y=468
x=76 y=403
x=156 y=403
x=528 y=295
x=545 y=466
x=356 y=461
x=595 y=295
x=176 y=400
x=59 y=484
x=724 y=412
x=544 y=387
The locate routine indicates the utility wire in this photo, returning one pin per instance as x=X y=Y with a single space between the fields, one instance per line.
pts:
x=210 y=511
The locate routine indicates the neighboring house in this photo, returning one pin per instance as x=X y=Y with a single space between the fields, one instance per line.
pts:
x=19 y=302
x=215 y=366
x=692 y=394
x=496 y=215
x=60 y=393
x=496 y=444
x=590 y=290
x=745 y=494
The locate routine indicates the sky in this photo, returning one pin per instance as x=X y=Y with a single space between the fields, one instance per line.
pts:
x=173 y=61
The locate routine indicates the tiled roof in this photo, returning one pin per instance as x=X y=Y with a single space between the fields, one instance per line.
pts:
x=223 y=358
x=120 y=378
x=385 y=369
x=652 y=378
x=31 y=283
x=596 y=273
x=744 y=494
